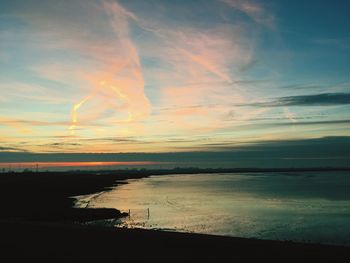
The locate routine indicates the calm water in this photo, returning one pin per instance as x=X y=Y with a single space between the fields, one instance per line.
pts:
x=308 y=207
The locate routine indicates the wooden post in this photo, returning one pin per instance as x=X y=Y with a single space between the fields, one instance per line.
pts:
x=129 y=214
x=148 y=213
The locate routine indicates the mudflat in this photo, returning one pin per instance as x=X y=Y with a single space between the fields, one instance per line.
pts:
x=38 y=222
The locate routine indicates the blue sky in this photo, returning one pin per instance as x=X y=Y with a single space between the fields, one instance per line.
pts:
x=160 y=76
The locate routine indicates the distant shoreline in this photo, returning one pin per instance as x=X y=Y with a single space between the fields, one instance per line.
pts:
x=180 y=170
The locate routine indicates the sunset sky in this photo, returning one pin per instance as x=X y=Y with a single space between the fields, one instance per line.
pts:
x=171 y=76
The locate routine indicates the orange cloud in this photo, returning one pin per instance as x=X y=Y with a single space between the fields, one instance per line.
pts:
x=121 y=78
x=189 y=70
x=200 y=89
x=203 y=61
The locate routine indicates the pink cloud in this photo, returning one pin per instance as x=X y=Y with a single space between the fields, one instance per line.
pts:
x=120 y=78
x=193 y=72
x=254 y=10
x=201 y=62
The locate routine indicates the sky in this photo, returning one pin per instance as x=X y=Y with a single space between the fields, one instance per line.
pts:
x=107 y=76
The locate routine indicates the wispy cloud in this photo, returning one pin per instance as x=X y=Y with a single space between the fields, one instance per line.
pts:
x=198 y=71
x=325 y=122
x=290 y=116
x=323 y=99
x=302 y=86
x=11 y=149
x=252 y=9
x=15 y=90
x=134 y=75
x=26 y=123
x=342 y=43
x=273 y=153
x=121 y=79
x=112 y=45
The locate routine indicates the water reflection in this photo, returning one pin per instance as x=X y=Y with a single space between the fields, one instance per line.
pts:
x=311 y=207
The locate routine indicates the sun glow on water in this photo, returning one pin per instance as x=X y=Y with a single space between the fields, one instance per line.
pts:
x=307 y=207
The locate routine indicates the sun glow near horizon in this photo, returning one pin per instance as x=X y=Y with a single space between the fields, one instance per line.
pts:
x=35 y=166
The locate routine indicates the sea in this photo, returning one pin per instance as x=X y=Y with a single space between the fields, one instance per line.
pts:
x=312 y=207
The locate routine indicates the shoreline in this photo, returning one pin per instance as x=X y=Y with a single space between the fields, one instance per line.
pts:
x=143 y=172
x=58 y=242
x=150 y=228
x=38 y=222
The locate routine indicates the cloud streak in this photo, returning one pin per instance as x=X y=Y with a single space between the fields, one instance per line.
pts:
x=252 y=9
x=122 y=79
x=74 y=74
x=324 y=99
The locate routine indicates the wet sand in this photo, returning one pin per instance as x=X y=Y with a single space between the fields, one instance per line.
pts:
x=38 y=223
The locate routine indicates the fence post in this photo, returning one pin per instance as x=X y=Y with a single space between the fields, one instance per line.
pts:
x=147 y=213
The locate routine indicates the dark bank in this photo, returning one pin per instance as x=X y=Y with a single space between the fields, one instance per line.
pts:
x=38 y=222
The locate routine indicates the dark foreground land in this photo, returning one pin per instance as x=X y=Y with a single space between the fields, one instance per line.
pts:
x=39 y=224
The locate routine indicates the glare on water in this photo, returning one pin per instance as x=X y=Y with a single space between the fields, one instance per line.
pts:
x=308 y=207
